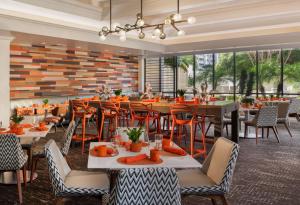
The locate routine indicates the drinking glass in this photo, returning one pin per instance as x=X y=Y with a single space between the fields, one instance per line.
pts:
x=158 y=141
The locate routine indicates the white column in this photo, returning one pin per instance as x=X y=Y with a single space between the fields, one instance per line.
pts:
x=141 y=74
x=5 y=39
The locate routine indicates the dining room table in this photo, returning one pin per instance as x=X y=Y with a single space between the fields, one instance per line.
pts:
x=215 y=109
x=169 y=160
x=29 y=137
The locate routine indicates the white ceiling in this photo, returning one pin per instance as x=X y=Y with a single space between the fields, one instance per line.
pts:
x=221 y=24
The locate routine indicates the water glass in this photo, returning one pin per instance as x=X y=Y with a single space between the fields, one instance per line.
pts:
x=158 y=141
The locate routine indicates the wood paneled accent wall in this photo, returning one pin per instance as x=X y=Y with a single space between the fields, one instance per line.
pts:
x=38 y=71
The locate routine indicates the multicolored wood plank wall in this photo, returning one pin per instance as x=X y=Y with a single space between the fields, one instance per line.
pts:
x=38 y=71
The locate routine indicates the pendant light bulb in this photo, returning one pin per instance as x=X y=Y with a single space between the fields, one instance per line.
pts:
x=191 y=20
x=157 y=31
x=180 y=33
x=102 y=37
x=141 y=35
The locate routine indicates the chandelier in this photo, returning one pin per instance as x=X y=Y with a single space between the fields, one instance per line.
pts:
x=140 y=25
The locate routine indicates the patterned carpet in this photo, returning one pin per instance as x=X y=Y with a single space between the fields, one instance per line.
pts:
x=265 y=174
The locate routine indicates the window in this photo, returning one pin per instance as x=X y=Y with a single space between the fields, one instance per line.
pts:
x=263 y=72
x=291 y=71
x=168 y=76
x=245 y=73
x=185 y=73
x=152 y=73
x=269 y=71
x=204 y=71
x=224 y=73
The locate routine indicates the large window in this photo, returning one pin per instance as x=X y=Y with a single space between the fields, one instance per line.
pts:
x=168 y=76
x=269 y=70
x=245 y=64
x=255 y=73
x=291 y=71
x=185 y=73
x=204 y=71
x=224 y=80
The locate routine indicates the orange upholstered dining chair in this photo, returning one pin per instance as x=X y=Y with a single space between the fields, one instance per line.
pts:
x=179 y=114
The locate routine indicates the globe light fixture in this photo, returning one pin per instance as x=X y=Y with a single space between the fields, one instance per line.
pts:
x=172 y=20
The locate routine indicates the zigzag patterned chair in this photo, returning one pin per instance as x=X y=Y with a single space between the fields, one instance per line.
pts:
x=67 y=183
x=214 y=178
x=265 y=118
x=12 y=158
x=151 y=186
x=38 y=150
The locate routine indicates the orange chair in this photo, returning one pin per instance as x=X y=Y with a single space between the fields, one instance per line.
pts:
x=110 y=112
x=82 y=110
x=139 y=112
x=179 y=114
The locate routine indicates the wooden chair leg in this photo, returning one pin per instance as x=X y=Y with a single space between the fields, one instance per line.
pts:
x=223 y=199
x=18 y=172
x=268 y=132
x=24 y=176
x=246 y=131
x=288 y=129
x=262 y=132
x=213 y=201
x=276 y=134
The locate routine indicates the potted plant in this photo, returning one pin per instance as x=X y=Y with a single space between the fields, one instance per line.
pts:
x=247 y=102
x=134 y=135
x=181 y=93
x=118 y=93
x=16 y=119
x=45 y=101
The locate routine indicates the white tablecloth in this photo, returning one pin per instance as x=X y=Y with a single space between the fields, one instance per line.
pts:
x=174 y=161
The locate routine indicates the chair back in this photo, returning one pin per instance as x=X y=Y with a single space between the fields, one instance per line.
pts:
x=180 y=112
x=68 y=138
x=12 y=156
x=220 y=163
x=294 y=106
x=110 y=107
x=146 y=186
x=139 y=109
x=57 y=167
x=283 y=110
x=267 y=116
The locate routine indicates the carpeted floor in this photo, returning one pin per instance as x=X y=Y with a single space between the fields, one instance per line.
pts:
x=265 y=174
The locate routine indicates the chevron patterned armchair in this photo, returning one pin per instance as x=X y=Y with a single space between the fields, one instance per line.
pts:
x=67 y=182
x=151 y=186
x=12 y=158
x=38 y=150
x=214 y=178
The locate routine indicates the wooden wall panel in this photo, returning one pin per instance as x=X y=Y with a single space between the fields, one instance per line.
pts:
x=38 y=71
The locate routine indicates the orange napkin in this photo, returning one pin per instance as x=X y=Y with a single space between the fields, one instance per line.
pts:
x=135 y=158
x=175 y=150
